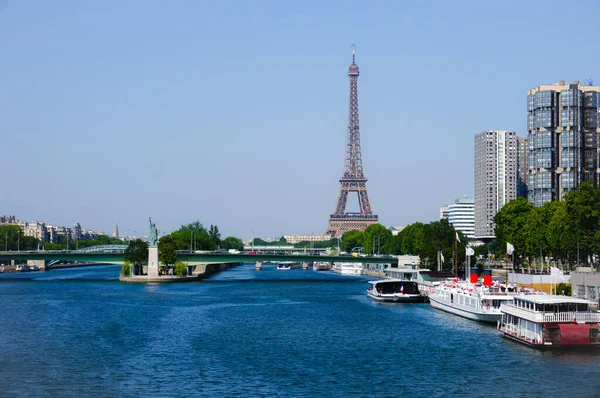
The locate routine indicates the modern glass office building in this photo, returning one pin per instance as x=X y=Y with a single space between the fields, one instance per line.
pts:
x=522 y=167
x=495 y=177
x=461 y=214
x=562 y=139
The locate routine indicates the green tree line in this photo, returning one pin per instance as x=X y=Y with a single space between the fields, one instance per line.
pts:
x=558 y=229
x=423 y=240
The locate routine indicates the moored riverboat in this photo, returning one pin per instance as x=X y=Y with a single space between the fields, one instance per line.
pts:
x=321 y=266
x=395 y=291
x=287 y=265
x=549 y=321
x=472 y=300
x=348 y=268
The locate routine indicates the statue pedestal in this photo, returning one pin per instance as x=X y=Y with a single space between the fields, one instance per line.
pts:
x=153 y=261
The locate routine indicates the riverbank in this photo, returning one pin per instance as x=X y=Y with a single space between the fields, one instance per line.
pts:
x=200 y=272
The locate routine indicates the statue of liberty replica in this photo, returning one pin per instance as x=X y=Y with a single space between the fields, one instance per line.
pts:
x=153 y=251
x=153 y=233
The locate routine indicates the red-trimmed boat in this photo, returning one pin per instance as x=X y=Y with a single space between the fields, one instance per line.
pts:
x=544 y=321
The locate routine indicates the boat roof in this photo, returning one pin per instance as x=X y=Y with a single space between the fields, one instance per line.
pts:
x=550 y=299
x=404 y=270
x=391 y=280
x=436 y=275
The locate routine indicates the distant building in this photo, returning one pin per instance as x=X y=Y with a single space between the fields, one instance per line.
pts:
x=444 y=212
x=8 y=220
x=115 y=233
x=563 y=144
x=495 y=177
x=461 y=214
x=396 y=230
x=521 y=167
x=306 y=238
x=76 y=232
x=37 y=230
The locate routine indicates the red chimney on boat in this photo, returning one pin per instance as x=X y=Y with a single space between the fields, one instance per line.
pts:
x=474 y=277
x=487 y=277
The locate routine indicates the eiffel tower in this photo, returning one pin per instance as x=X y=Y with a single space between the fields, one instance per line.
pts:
x=353 y=179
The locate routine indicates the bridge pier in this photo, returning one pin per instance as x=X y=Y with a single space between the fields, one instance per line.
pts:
x=259 y=265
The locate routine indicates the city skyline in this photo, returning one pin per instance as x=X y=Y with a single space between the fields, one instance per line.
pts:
x=236 y=116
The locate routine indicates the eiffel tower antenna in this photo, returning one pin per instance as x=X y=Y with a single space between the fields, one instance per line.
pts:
x=353 y=179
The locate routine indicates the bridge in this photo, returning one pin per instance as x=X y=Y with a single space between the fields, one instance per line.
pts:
x=114 y=254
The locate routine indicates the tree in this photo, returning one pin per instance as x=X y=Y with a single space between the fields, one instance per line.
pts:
x=394 y=244
x=510 y=226
x=167 y=251
x=180 y=269
x=563 y=289
x=583 y=208
x=375 y=237
x=13 y=238
x=192 y=236
x=441 y=235
x=232 y=243
x=126 y=269
x=137 y=254
x=352 y=239
x=412 y=238
x=215 y=235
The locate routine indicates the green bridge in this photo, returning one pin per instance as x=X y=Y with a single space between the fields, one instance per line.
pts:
x=116 y=257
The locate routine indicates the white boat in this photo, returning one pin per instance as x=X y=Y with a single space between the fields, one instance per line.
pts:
x=1 y=268
x=22 y=268
x=395 y=291
x=321 y=266
x=287 y=265
x=348 y=268
x=472 y=300
x=479 y=303
x=549 y=321
x=34 y=268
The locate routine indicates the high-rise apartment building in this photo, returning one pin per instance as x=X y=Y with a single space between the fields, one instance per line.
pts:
x=495 y=177
x=521 y=167
x=562 y=140
x=444 y=212
x=461 y=214
x=115 y=233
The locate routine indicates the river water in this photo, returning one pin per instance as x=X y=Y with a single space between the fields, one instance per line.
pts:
x=79 y=332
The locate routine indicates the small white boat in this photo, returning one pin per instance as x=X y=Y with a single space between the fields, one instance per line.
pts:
x=22 y=268
x=1 y=268
x=34 y=268
x=321 y=266
x=395 y=291
x=548 y=321
x=287 y=265
x=348 y=268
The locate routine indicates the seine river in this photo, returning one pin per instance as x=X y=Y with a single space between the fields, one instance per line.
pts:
x=79 y=332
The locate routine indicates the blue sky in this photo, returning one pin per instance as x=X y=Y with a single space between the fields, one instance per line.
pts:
x=234 y=113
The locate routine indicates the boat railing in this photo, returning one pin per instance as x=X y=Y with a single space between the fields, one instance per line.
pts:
x=580 y=317
x=536 y=316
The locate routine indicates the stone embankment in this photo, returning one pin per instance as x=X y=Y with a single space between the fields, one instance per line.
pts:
x=200 y=272
x=376 y=274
